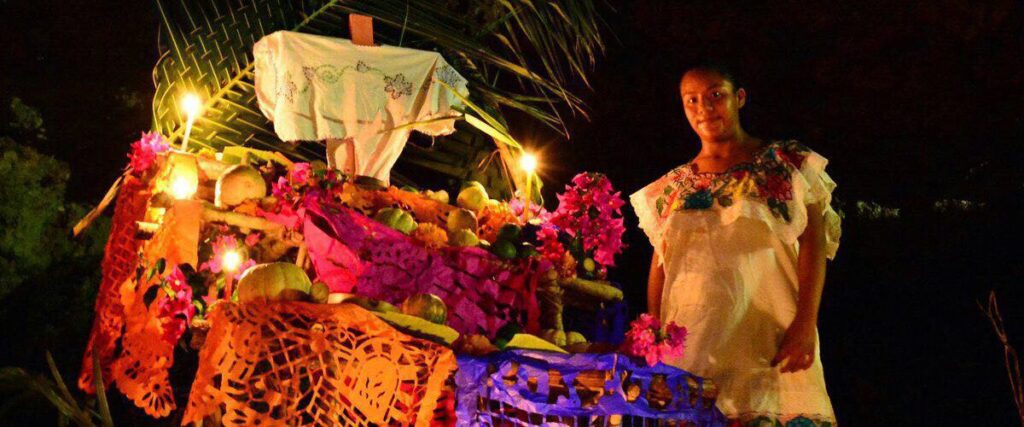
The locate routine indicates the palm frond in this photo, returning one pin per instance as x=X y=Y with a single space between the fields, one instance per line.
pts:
x=208 y=50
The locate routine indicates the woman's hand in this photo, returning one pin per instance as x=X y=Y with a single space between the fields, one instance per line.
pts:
x=796 y=352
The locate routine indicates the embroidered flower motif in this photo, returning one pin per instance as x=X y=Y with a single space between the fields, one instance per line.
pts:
x=287 y=88
x=309 y=72
x=448 y=75
x=767 y=178
x=397 y=86
x=362 y=67
x=699 y=200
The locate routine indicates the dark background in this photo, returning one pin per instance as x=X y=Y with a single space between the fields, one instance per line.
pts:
x=913 y=102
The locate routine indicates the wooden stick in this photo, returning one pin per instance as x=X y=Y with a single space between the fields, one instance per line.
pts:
x=88 y=219
x=212 y=213
x=361 y=27
x=598 y=289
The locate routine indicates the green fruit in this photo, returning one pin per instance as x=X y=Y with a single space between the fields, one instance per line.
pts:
x=504 y=249
x=276 y=281
x=420 y=328
x=319 y=292
x=473 y=197
x=440 y=196
x=463 y=238
x=461 y=219
x=573 y=337
x=410 y=189
x=531 y=342
x=527 y=250
x=396 y=219
x=554 y=336
x=426 y=306
x=238 y=184
x=509 y=232
x=589 y=265
x=372 y=304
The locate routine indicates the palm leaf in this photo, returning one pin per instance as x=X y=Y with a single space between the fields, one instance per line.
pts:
x=207 y=49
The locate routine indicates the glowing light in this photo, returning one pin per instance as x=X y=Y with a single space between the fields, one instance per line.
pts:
x=181 y=176
x=232 y=259
x=191 y=104
x=528 y=162
x=182 y=188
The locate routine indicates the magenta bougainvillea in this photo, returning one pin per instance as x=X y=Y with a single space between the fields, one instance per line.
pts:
x=646 y=339
x=144 y=152
x=590 y=210
x=175 y=306
x=221 y=246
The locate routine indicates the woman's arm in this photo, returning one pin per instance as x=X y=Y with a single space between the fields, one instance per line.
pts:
x=796 y=352
x=655 y=282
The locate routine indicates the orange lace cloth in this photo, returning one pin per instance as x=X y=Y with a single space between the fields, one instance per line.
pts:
x=119 y=261
x=141 y=370
x=293 y=363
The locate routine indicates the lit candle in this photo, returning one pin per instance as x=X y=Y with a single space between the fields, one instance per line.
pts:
x=191 y=104
x=182 y=177
x=230 y=263
x=528 y=163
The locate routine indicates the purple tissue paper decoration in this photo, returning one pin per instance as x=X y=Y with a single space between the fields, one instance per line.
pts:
x=514 y=385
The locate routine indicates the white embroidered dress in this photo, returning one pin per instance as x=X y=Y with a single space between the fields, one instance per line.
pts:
x=362 y=101
x=728 y=245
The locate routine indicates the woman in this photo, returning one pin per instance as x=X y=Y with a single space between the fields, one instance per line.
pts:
x=741 y=234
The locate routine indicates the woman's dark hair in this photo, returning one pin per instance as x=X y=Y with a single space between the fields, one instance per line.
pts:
x=727 y=72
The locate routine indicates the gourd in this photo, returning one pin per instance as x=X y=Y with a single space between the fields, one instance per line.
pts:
x=276 y=281
x=463 y=238
x=238 y=184
x=461 y=219
x=397 y=219
x=473 y=197
x=426 y=306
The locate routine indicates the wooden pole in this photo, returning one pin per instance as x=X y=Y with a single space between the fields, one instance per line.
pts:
x=361 y=29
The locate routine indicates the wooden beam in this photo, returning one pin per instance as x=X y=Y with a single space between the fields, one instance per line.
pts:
x=361 y=29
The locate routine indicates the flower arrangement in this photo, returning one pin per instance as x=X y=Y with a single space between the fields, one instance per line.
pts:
x=144 y=151
x=590 y=214
x=175 y=307
x=648 y=340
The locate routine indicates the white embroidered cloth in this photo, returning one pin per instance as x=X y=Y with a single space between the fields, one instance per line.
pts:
x=362 y=101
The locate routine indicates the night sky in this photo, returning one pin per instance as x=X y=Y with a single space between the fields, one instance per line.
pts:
x=913 y=103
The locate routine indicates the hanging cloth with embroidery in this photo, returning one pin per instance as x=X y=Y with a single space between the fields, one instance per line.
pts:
x=362 y=101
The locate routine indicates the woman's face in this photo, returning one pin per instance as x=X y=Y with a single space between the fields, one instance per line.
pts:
x=712 y=104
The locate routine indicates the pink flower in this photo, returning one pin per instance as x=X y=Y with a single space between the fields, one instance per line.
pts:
x=175 y=305
x=143 y=152
x=647 y=340
x=300 y=174
x=590 y=209
x=223 y=245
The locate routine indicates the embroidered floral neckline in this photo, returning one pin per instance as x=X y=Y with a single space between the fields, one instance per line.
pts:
x=755 y=157
x=766 y=178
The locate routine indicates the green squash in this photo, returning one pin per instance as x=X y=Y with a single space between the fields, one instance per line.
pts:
x=463 y=238
x=473 y=197
x=397 y=219
x=461 y=219
x=276 y=281
x=426 y=306
x=238 y=184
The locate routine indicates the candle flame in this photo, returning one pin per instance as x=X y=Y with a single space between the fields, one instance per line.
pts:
x=232 y=259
